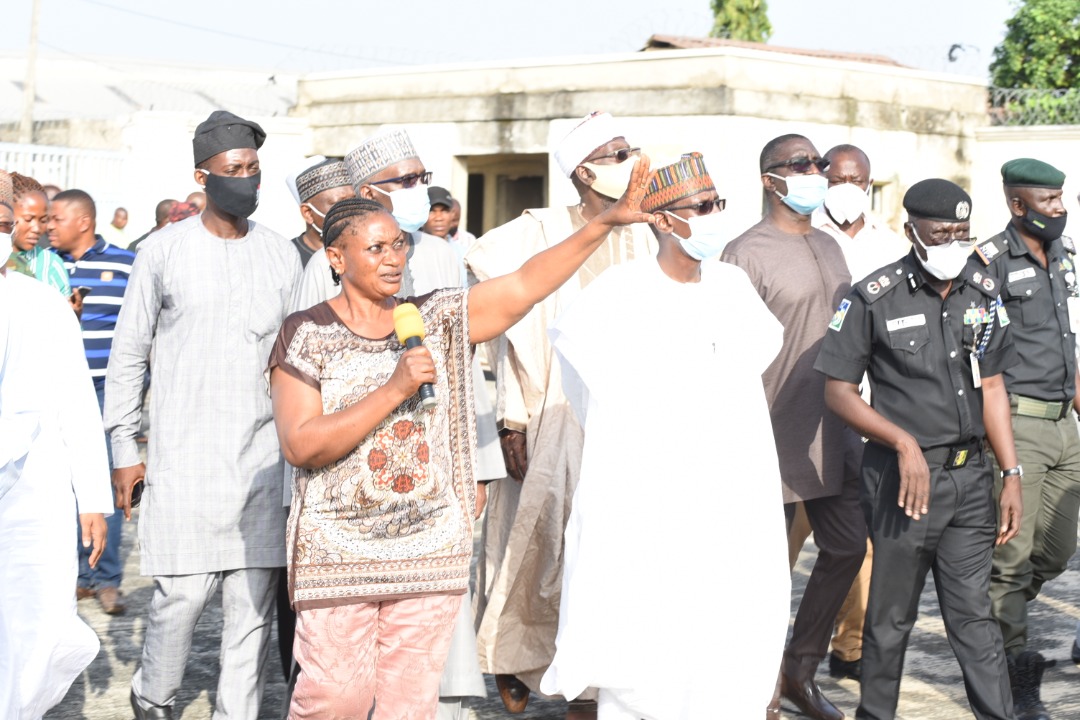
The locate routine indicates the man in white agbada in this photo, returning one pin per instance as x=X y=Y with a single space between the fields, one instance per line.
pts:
x=52 y=460
x=520 y=572
x=676 y=472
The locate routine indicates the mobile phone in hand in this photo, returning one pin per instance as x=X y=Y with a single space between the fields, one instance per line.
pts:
x=83 y=291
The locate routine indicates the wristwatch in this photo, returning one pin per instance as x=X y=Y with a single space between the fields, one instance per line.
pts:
x=1018 y=471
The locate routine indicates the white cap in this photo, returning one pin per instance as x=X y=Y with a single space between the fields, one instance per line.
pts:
x=598 y=128
x=290 y=180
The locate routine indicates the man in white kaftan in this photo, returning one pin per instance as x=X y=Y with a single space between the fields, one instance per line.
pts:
x=52 y=460
x=662 y=360
x=520 y=573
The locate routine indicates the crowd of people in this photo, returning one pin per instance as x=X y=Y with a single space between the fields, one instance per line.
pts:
x=666 y=387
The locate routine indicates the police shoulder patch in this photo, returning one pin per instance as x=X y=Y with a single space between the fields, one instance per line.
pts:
x=880 y=282
x=1068 y=243
x=837 y=321
x=988 y=251
x=1002 y=313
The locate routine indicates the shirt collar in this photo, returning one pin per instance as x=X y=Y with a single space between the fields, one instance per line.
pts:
x=1018 y=247
x=96 y=249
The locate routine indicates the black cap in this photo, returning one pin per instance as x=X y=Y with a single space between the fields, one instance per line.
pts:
x=440 y=196
x=937 y=199
x=224 y=131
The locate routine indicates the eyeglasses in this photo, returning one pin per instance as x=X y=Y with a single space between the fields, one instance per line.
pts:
x=801 y=166
x=408 y=181
x=620 y=156
x=705 y=207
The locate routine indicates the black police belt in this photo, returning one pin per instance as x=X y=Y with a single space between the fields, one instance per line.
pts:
x=953 y=457
x=1032 y=407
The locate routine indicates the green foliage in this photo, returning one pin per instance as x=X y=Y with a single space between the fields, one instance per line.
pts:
x=742 y=20
x=1041 y=48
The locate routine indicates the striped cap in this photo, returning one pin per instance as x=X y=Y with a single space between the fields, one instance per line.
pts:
x=378 y=153
x=674 y=182
x=324 y=176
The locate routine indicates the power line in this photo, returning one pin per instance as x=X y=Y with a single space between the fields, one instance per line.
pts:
x=237 y=36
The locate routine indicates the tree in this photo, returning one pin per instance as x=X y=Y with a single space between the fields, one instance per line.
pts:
x=1041 y=48
x=741 y=20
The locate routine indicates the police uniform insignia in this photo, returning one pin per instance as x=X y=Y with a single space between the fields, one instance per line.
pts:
x=1002 y=314
x=959 y=459
x=1066 y=264
x=975 y=316
x=873 y=287
x=107 y=276
x=837 y=321
x=987 y=251
x=963 y=209
x=1070 y=278
x=1068 y=243
x=884 y=280
x=977 y=277
x=988 y=283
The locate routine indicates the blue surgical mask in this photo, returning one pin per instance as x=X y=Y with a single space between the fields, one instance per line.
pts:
x=411 y=206
x=805 y=192
x=709 y=235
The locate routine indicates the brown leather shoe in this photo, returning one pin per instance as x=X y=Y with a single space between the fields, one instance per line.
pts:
x=111 y=600
x=773 y=711
x=581 y=710
x=83 y=593
x=806 y=696
x=514 y=693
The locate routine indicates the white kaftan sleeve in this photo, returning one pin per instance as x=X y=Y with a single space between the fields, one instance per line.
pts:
x=315 y=285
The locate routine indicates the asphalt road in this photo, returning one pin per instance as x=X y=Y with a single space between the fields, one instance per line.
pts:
x=932 y=688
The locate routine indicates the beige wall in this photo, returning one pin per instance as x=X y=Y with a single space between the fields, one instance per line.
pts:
x=725 y=102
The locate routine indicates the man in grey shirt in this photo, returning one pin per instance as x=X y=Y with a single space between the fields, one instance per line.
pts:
x=208 y=294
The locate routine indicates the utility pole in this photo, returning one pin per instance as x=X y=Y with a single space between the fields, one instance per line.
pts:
x=26 y=126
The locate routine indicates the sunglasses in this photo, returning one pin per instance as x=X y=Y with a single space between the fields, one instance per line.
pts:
x=801 y=166
x=620 y=156
x=705 y=207
x=408 y=181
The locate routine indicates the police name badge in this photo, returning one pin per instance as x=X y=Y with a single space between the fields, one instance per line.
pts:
x=905 y=322
x=1021 y=274
x=1074 y=314
x=837 y=321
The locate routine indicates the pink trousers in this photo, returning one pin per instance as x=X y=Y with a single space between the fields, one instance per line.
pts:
x=387 y=654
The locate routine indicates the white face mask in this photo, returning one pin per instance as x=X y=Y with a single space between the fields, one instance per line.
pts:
x=611 y=180
x=411 y=206
x=7 y=238
x=944 y=262
x=709 y=235
x=846 y=202
x=317 y=214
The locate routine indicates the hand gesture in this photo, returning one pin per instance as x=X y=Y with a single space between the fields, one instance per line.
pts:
x=76 y=300
x=914 y=483
x=94 y=532
x=1012 y=509
x=627 y=209
x=124 y=481
x=515 y=453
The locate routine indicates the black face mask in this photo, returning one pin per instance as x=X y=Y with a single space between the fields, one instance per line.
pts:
x=237 y=196
x=1044 y=228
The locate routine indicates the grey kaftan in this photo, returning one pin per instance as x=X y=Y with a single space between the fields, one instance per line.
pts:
x=210 y=308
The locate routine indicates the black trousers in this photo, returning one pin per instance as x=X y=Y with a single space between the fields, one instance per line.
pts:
x=955 y=540
x=840 y=535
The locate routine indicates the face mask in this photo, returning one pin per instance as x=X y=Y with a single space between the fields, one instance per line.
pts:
x=411 y=206
x=943 y=261
x=318 y=215
x=1043 y=227
x=709 y=235
x=237 y=196
x=846 y=202
x=805 y=192
x=6 y=238
x=611 y=180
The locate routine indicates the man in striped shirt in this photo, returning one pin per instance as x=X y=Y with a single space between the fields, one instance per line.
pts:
x=103 y=270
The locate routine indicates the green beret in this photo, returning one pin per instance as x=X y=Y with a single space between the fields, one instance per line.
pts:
x=937 y=199
x=1028 y=172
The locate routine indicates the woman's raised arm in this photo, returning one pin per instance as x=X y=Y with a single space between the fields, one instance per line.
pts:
x=498 y=303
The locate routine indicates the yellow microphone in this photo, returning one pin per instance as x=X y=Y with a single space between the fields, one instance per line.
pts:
x=409 y=327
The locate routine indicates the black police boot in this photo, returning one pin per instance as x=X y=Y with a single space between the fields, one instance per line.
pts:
x=1025 y=676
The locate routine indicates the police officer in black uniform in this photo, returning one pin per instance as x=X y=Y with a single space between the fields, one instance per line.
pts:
x=1033 y=265
x=933 y=338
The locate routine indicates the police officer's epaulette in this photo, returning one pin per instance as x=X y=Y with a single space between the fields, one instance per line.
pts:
x=1068 y=244
x=878 y=283
x=989 y=250
x=985 y=283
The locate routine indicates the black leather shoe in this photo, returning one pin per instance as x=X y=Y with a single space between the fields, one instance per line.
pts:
x=841 y=669
x=806 y=695
x=514 y=693
x=158 y=712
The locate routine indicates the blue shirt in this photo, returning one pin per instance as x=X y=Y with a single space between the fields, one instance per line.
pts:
x=104 y=268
